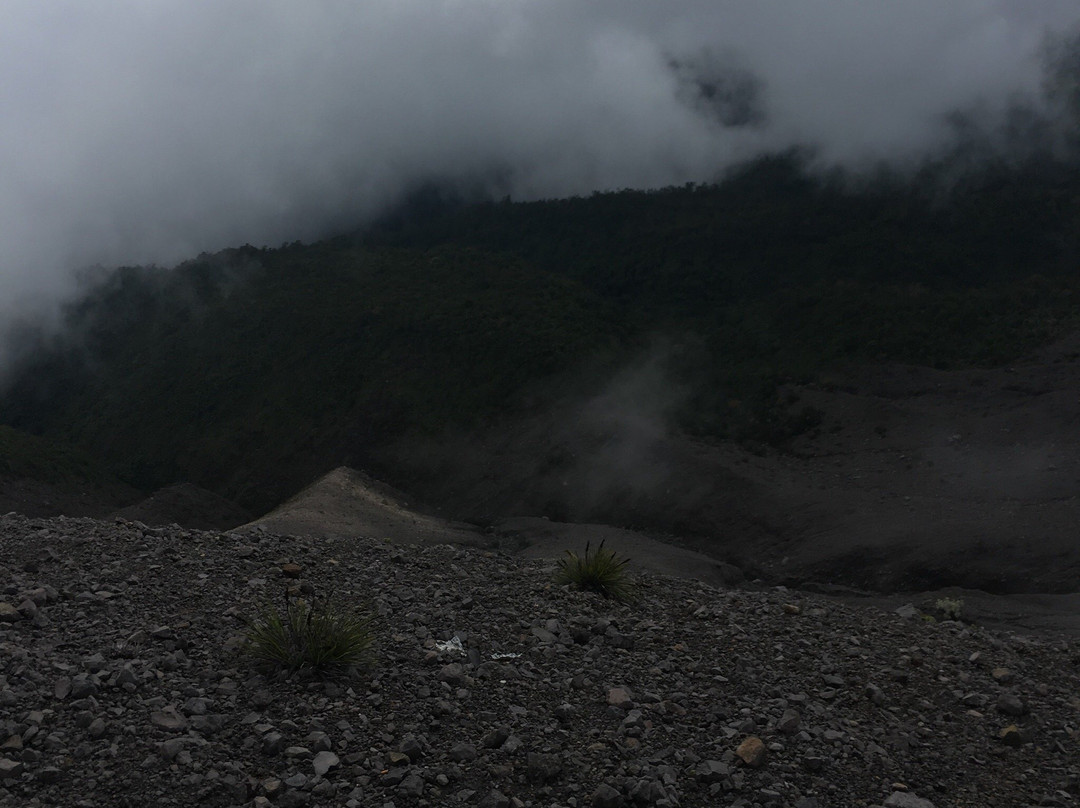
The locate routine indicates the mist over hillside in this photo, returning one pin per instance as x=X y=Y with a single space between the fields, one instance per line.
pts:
x=137 y=135
x=649 y=265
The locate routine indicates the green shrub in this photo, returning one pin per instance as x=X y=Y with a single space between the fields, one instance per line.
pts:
x=321 y=636
x=600 y=571
x=950 y=608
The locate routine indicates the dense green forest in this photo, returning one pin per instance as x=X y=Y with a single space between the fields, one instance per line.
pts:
x=252 y=370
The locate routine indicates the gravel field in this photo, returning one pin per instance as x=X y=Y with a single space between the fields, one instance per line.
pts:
x=121 y=684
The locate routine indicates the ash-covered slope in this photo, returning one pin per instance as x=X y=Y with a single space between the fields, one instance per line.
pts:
x=120 y=685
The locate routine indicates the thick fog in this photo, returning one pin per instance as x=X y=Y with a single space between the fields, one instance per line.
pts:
x=136 y=132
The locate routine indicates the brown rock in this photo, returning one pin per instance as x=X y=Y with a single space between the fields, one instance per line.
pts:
x=620 y=697
x=1012 y=735
x=8 y=613
x=13 y=742
x=291 y=570
x=752 y=752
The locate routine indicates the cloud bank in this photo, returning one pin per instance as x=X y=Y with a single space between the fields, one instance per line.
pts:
x=139 y=132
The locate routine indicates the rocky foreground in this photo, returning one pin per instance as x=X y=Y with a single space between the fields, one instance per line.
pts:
x=121 y=685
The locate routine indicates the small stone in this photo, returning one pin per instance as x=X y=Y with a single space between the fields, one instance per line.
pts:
x=791 y=608
x=564 y=712
x=262 y=698
x=293 y=798
x=494 y=799
x=8 y=613
x=496 y=738
x=297 y=780
x=544 y=636
x=319 y=742
x=171 y=748
x=541 y=768
x=412 y=786
x=10 y=768
x=789 y=722
x=903 y=799
x=83 y=685
x=1002 y=675
x=291 y=570
x=752 y=752
x=412 y=746
x=273 y=743
x=453 y=674
x=462 y=752
x=648 y=792
x=324 y=762
x=1012 y=735
x=712 y=771
x=620 y=697
x=63 y=688
x=606 y=796
x=1010 y=704
x=196 y=706
x=168 y=719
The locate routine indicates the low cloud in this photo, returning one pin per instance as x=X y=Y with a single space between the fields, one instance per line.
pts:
x=139 y=132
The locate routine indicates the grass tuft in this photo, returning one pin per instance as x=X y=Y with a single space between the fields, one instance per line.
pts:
x=321 y=637
x=601 y=571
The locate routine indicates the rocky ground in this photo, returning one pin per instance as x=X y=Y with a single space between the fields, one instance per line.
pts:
x=121 y=684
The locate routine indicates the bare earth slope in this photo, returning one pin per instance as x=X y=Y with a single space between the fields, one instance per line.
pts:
x=346 y=502
x=930 y=478
x=917 y=479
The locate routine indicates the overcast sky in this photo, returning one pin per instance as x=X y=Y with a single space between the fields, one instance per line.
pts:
x=149 y=130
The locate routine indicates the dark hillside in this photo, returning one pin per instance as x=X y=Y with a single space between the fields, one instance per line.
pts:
x=252 y=371
x=249 y=371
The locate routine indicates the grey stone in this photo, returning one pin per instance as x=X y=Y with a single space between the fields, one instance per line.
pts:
x=168 y=719
x=494 y=799
x=462 y=752
x=273 y=743
x=83 y=685
x=606 y=796
x=789 y=722
x=62 y=689
x=545 y=636
x=293 y=798
x=496 y=738
x=712 y=771
x=412 y=746
x=542 y=768
x=411 y=786
x=1011 y=704
x=647 y=792
x=905 y=799
x=325 y=761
